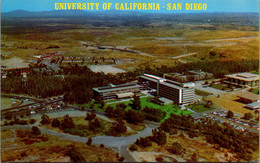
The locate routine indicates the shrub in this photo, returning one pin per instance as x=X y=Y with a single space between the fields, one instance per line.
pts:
x=159 y=159
x=121 y=159
x=45 y=120
x=67 y=122
x=89 y=141
x=32 y=121
x=144 y=142
x=101 y=146
x=36 y=131
x=8 y=115
x=133 y=147
x=75 y=155
x=55 y=123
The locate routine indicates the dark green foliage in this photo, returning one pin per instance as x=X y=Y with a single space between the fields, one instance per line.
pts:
x=55 y=123
x=90 y=116
x=67 y=122
x=75 y=155
x=143 y=142
x=159 y=137
x=45 y=120
x=153 y=114
x=248 y=116
x=176 y=148
x=118 y=127
x=110 y=111
x=8 y=115
x=136 y=103
x=230 y=114
x=36 y=131
x=133 y=147
x=135 y=117
x=32 y=121
x=94 y=125
x=89 y=141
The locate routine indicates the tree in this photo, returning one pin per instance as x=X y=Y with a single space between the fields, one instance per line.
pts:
x=89 y=141
x=35 y=131
x=135 y=117
x=256 y=112
x=102 y=104
x=8 y=115
x=248 y=116
x=136 y=103
x=94 y=125
x=67 y=122
x=118 y=127
x=110 y=111
x=55 y=122
x=90 y=116
x=32 y=121
x=45 y=120
x=230 y=114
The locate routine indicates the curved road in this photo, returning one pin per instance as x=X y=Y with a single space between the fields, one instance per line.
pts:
x=118 y=143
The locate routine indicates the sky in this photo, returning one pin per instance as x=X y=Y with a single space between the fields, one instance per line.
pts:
x=212 y=5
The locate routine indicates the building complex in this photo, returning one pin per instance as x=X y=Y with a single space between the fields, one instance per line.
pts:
x=243 y=79
x=179 y=93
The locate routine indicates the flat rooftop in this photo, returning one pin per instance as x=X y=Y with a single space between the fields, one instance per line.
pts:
x=246 y=76
x=111 y=87
x=249 y=96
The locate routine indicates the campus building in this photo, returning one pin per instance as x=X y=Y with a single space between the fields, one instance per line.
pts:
x=243 y=79
x=192 y=75
x=117 y=91
x=179 y=93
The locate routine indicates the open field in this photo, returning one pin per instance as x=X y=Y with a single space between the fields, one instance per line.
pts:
x=26 y=147
x=227 y=101
x=7 y=102
x=155 y=41
x=205 y=152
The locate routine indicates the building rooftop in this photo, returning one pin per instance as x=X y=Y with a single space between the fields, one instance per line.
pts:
x=244 y=76
x=112 y=87
x=253 y=105
x=249 y=96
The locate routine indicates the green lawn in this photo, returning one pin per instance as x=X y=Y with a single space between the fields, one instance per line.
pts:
x=219 y=86
x=202 y=93
x=255 y=72
x=144 y=102
x=199 y=107
x=255 y=91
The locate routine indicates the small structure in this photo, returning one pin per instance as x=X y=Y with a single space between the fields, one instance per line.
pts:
x=117 y=91
x=248 y=97
x=253 y=105
x=243 y=79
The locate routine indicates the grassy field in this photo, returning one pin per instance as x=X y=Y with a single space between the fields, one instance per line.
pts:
x=169 y=109
x=7 y=102
x=199 y=107
x=255 y=91
x=220 y=86
x=156 y=43
x=202 y=93
x=27 y=147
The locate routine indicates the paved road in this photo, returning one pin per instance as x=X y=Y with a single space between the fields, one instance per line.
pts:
x=119 y=143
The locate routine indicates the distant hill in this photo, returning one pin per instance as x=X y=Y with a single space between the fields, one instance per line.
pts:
x=70 y=13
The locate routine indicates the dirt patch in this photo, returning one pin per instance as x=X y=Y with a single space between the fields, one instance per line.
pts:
x=106 y=69
x=14 y=62
x=228 y=101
